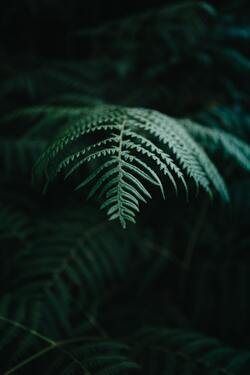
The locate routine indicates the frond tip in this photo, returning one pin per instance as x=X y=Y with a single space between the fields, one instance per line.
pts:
x=137 y=147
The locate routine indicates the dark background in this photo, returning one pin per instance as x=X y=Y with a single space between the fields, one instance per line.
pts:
x=43 y=27
x=189 y=259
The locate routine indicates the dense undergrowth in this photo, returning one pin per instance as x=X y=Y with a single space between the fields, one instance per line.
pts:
x=151 y=108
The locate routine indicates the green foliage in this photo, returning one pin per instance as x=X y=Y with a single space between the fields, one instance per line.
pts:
x=50 y=274
x=88 y=355
x=19 y=155
x=214 y=139
x=127 y=151
x=179 y=351
x=155 y=101
x=140 y=145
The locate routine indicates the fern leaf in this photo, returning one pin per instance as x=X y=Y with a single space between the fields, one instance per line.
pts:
x=177 y=349
x=219 y=140
x=139 y=147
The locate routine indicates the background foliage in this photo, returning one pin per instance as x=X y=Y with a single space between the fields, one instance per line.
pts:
x=79 y=294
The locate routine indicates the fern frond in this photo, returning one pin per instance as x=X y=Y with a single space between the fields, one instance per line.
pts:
x=86 y=354
x=140 y=147
x=17 y=156
x=98 y=357
x=175 y=351
x=14 y=224
x=13 y=313
x=175 y=25
x=72 y=258
x=234 y=119
x=77 y=257
x=215 y=140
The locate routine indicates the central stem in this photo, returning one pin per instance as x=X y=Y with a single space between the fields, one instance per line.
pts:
x=120 y=175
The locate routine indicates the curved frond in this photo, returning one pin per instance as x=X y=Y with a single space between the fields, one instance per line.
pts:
x=215 y=140
x=134 y=148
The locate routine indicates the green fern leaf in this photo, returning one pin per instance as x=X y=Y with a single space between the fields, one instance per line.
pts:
x=141 y=147
x=219 y=140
